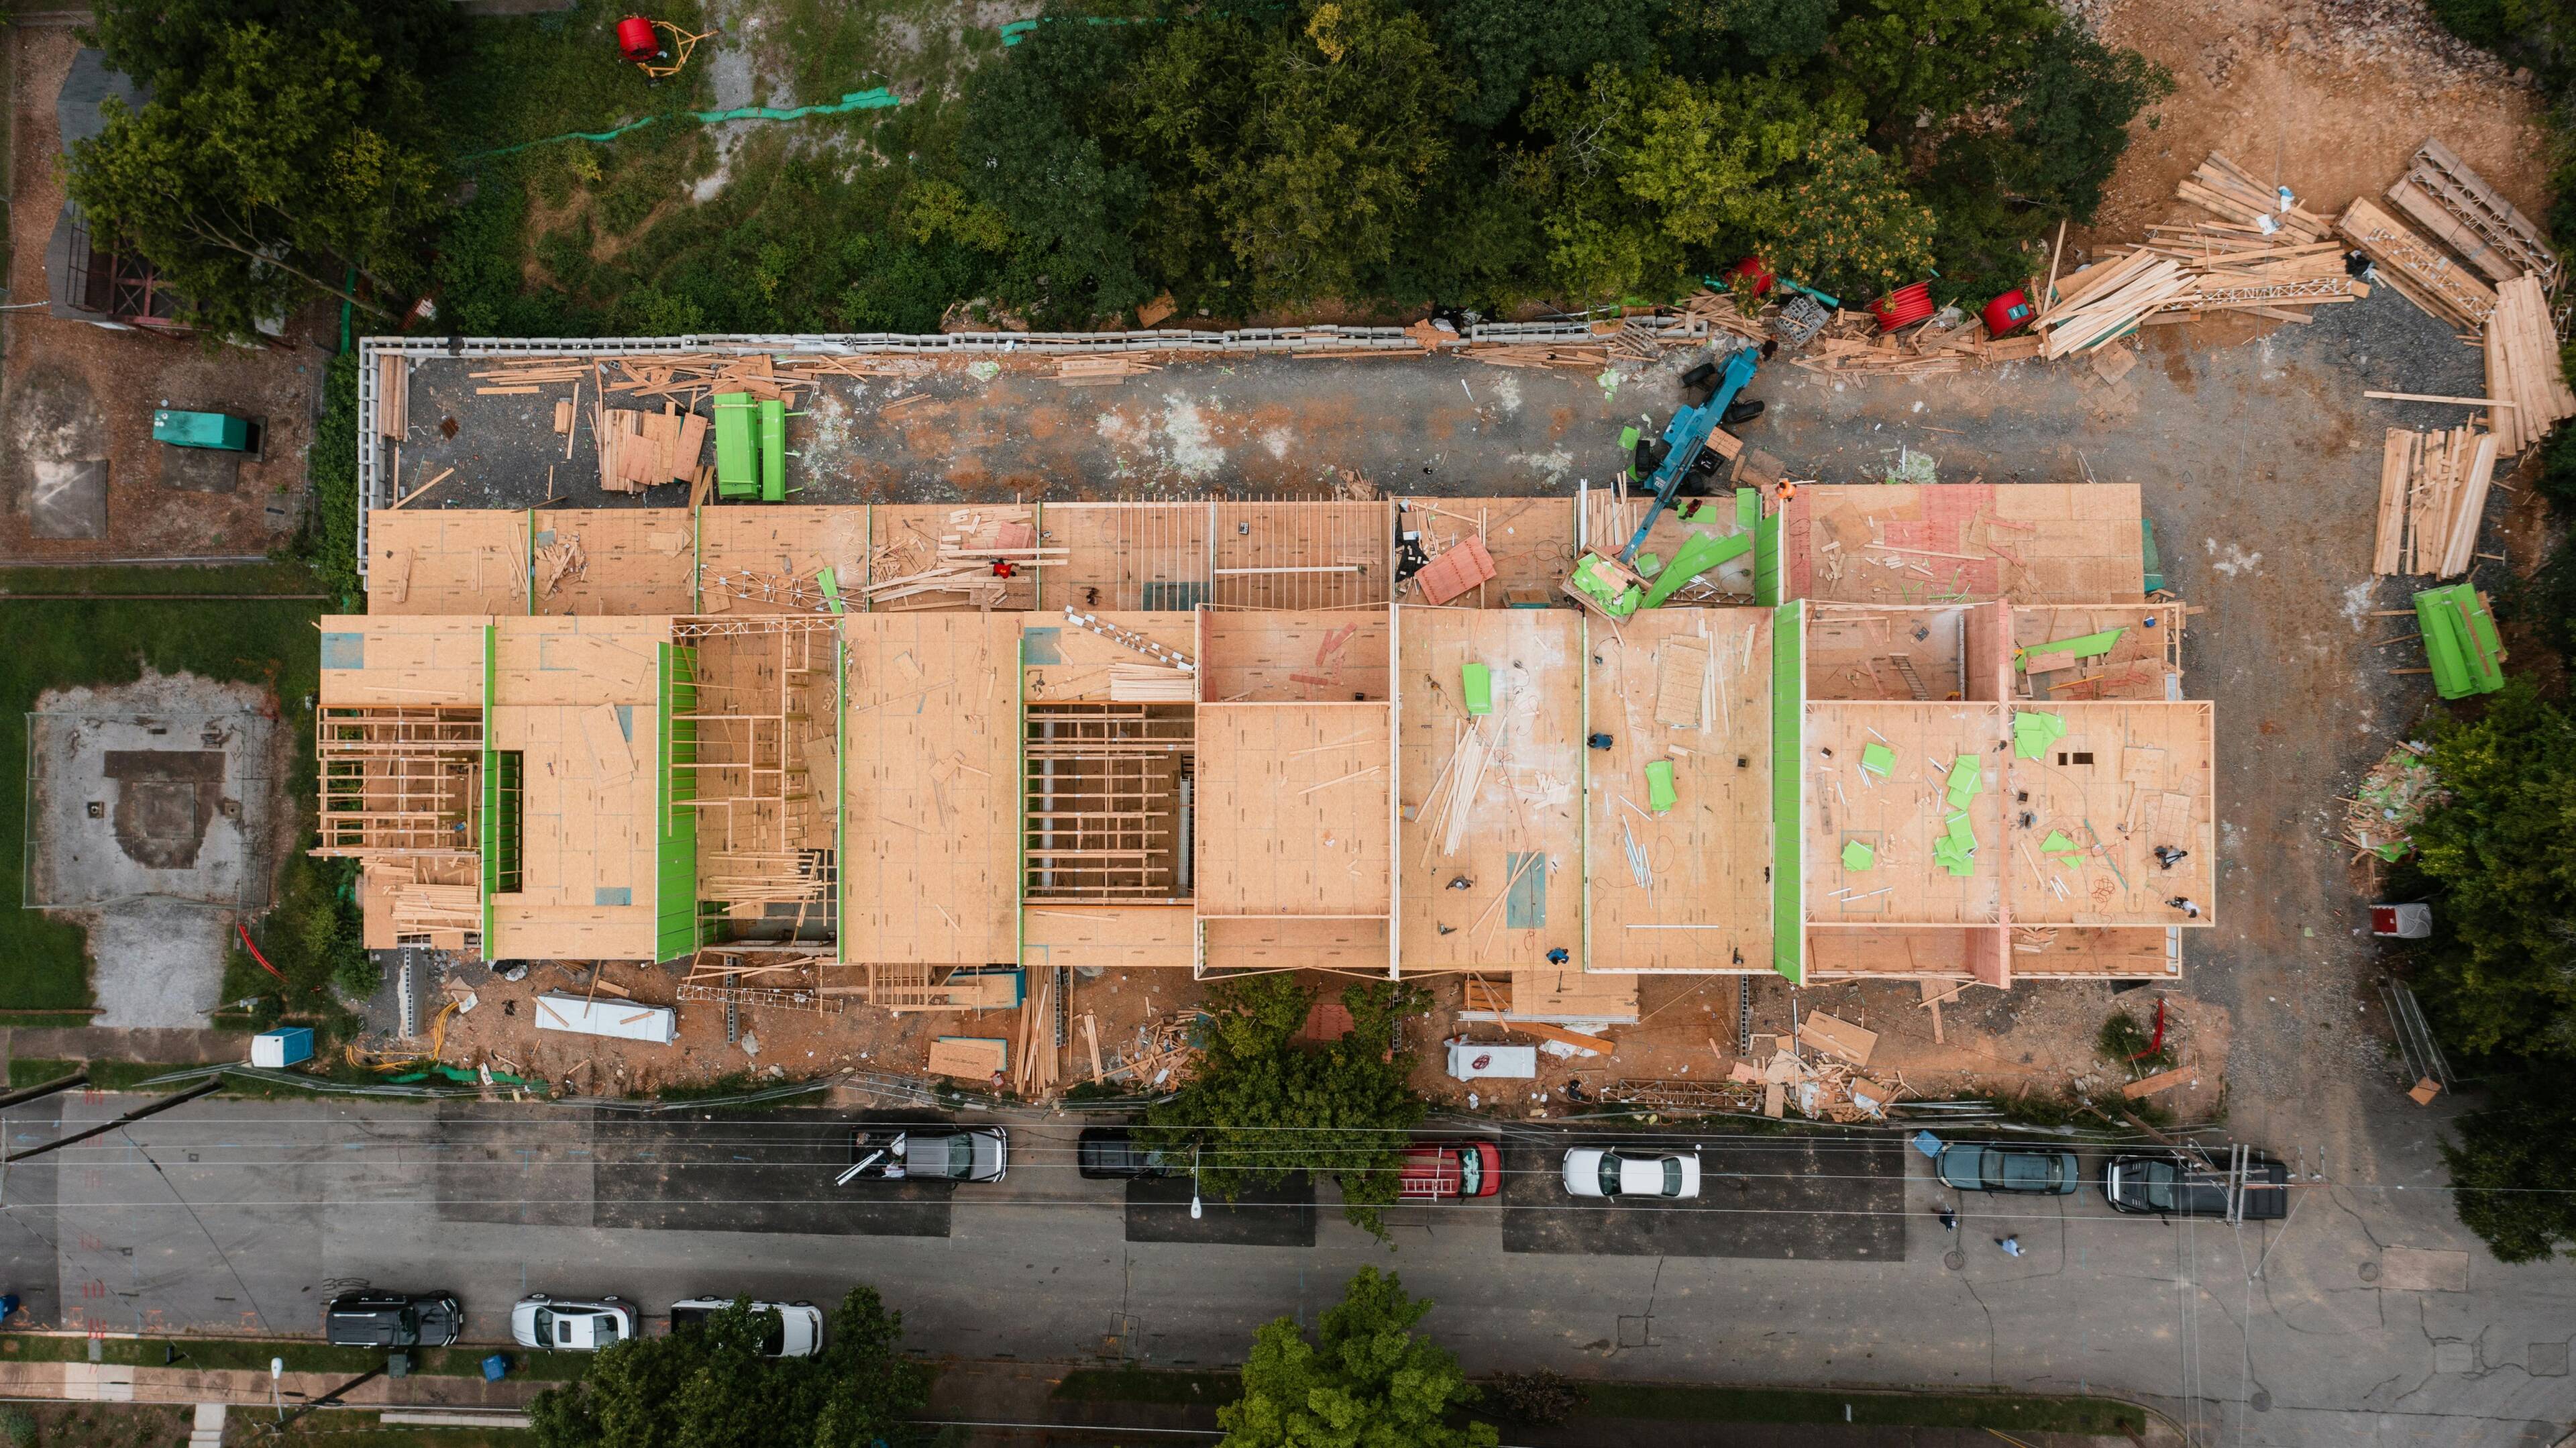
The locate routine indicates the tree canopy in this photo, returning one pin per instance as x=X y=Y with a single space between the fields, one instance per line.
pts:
x=711 y=1388
x=1261 y=1106
x=281 y=146
x=1364 y=1379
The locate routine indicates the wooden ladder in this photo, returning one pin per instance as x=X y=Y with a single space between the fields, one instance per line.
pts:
x=1904 y=666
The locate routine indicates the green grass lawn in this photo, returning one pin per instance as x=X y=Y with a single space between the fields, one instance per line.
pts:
x=301 y=1355
x=1690 y=1403
x=59 y=643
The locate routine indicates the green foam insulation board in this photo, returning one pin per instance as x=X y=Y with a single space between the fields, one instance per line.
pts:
x=1698 y=554
x=2460 y=641
x=1858 y=856
x=2058 y=844
x=675 y=844
x=737 y=460
x=773 y=450
x=1967 y=779
x=2088 y=646
x=1476 y=682
x=1660 y=795
x=1878 y=759
x=2034 y=732
x=1788 y=790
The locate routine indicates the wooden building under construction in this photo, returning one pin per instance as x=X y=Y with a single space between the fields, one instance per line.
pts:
x=903 y=754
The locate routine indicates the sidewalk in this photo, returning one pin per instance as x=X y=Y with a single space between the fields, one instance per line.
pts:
x=110 y=1043
x=242 y=1391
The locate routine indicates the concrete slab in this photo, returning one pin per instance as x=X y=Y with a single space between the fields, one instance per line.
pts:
x=2423 y=1269
x=1280 y=1216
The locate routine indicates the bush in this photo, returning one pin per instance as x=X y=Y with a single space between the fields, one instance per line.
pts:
x=330 y=542
x=1541 y=1399
x=2510 y=1167
x=18 y=1426
x=2125 y=1042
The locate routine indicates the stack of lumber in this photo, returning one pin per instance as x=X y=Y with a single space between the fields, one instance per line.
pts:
x=2455 y=205
x=1151 y=684
x=2432 y=497
x=1101 y=371
x=1571 y=356
x=2226 y=190
x=980 y=1060
x=1720 y=312
x=2238 y=270
x=2417 y=268
x=2107 y=300
x=640 y=449
x=2522 y=366
x=1851 y=342
x=1034 y=1075
x=393 y=394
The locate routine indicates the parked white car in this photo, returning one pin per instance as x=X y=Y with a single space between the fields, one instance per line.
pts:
x=1595 y=1171
x=795 y=1330
x=564 y=1325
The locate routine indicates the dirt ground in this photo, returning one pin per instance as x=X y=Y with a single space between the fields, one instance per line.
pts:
x=2330 y=97
x=68 y=384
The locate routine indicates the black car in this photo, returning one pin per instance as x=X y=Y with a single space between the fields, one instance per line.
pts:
x=392 y=1319
x=2172 y=1184
x=1108 y=1152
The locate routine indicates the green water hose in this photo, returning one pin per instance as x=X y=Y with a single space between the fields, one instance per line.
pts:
x=877 y=99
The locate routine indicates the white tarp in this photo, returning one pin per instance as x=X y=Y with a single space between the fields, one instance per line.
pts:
x=1470 y=1061
x=625 y=1020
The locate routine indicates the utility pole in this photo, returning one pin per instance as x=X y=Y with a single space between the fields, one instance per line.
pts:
x=137 y=1114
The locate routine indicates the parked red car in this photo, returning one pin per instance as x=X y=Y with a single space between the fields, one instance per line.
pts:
x=1435 y=1171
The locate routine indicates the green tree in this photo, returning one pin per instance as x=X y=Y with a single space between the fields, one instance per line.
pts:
x=2510 y=1169
x=2501 y=975
x=1364 y=1380
x=168 y=45
x=1846 y=222
x=711 y=1388
x=1030 y=149
x=1287 y=156
x=1644 y=171
x=1999 y=189
x=285 y=159
x=1498 y=45
x=1773 y=29
x=1262 y=1107
x=1930 y=60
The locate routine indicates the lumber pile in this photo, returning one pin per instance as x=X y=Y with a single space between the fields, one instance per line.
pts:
x=393 y=394
x=2523 y=368
x=958 y=565
x=2109 y=299
x=2432 y=496
x=1035 y=1074
x=1569 y=356
x=1819 y=1084
x=1851 y=342
x=2237 y=270
x=1151 y=684
x=638 y=450
x=1720 y=312
x=1101 y=371
x=2230 y=192
x=981 y=1060
x=2419 y=270
x=2456 y=207
x=558 y=562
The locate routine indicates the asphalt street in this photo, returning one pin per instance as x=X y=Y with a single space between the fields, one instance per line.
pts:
x=1808 y=1260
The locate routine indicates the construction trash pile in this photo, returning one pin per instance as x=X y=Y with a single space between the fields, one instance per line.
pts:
x=2380 y=817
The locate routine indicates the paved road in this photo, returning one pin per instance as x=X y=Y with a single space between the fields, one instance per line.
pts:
x=1809 y=1262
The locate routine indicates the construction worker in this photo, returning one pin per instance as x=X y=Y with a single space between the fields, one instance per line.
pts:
x=1788 y=490
x=1004 y=568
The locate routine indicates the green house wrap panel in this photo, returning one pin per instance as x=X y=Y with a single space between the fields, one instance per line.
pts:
x=773 y=451
x=675 y=843
x=1788 y=790
x=737 y=464
x=485 y=844
x=1767 y=589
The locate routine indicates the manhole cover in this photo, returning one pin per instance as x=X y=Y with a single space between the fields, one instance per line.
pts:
x=2369 y=1271
x=2261 y=1402
x=1954 y=1259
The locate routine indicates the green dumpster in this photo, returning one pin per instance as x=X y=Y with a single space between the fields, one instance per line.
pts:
x=773 y=451
x=736 y=463
x=201 y=429
x=2460 y=641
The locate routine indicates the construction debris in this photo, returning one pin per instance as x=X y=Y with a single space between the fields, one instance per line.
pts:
x=2380 y=817
x=2417 y=268
x=2443 y=196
